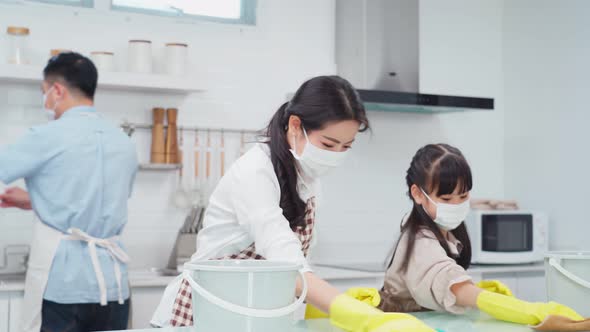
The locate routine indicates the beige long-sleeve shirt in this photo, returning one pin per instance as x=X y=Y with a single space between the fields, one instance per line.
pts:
x=426 y=285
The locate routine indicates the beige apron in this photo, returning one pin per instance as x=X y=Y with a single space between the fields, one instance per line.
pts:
x=44 y=245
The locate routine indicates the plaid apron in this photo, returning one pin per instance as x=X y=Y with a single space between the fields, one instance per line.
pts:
x=182 y=311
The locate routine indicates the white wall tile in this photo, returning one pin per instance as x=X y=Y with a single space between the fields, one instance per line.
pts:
x=545 y=77
x=250 y=71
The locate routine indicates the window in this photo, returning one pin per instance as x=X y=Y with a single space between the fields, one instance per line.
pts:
x=229 y=11
x=79 y=3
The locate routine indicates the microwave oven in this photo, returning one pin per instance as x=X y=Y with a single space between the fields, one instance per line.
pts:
x=507 y=237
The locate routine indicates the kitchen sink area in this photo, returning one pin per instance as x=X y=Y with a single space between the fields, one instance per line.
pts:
x=12 y=277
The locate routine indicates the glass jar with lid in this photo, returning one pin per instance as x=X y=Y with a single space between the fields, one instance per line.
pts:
x=18 y=48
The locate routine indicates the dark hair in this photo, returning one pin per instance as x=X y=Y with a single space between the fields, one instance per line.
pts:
x=76 y=71
x=317 y=102
x=441 y=168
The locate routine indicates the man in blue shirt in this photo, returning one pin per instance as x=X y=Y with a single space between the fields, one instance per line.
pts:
x=79 y=171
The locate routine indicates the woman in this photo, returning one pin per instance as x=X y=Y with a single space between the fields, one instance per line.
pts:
x=264 y=207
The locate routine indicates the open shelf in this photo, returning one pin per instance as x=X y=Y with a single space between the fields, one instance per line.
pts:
x=120 y=81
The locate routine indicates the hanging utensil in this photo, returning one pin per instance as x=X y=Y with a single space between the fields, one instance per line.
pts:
x=180 y=198
x=242 y=144
x=207 y=167
x=188 y=222
x=222 y=155
x=197 y=220
x=200 y=220
x=196 y=183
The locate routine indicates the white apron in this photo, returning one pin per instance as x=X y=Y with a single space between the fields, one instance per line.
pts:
x=44 y=245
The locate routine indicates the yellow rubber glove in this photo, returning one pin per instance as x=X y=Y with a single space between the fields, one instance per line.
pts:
x=367 y=295
x=353 y=315
x=495 y=286
x=513 y=310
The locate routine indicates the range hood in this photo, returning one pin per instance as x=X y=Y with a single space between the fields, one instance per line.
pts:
x=378 y=50
x=384 y=100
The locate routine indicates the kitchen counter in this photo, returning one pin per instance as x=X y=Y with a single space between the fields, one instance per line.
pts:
x=473 y=321
x=146 y=278
x=136 y=279
x=519 y=268
x=335 y=271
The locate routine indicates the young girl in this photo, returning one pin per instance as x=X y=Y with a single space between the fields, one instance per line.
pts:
x=264 y=206
x=428 y=267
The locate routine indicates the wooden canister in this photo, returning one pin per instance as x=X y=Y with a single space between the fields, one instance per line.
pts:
x=172 y=153
x=158 y=155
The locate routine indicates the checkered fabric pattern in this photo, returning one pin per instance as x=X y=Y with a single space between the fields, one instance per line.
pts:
x=182 y=311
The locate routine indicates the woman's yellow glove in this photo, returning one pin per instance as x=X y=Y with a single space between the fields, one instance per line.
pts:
x=513 y=310
x=495 y=286
x=353 y=315
x=367 y=295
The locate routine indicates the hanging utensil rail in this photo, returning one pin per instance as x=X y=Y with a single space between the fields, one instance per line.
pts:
x=130 y=128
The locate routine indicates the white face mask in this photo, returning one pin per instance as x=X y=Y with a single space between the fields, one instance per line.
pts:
x=314 y=161
x=449 y=216
x=49 y=112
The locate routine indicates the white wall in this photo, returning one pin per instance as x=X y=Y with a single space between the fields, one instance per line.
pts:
x=460 y=53
x=248 y=71
x=546 y=52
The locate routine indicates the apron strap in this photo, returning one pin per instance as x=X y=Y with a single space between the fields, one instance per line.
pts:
x=117 y=254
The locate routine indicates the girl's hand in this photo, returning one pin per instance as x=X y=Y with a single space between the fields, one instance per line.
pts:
x=367 y=295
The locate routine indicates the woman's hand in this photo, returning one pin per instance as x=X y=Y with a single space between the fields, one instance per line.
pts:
x=15 y=198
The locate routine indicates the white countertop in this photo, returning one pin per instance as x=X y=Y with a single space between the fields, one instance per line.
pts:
x=147 y=278
x=333 y=272
x=520 y=268
x=136 y=279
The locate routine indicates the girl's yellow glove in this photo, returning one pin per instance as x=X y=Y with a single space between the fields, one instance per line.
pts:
x=513 y=310
x=495 y=286
x=367 y=295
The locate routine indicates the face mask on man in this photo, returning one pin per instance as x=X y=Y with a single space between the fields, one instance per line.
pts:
x=49 y=112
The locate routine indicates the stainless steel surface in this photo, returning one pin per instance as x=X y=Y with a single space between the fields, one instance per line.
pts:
x=198 y=221
x=12 y=277
x=130 y=128
x=164 y=272
x=160 y=167
x=14 y=260
x=356 y=266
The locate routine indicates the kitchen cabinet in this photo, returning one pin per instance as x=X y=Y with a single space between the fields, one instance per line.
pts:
x=144 y=301
x=146 y=291
x=11 y=303
x=4 y=312
x=527 y=281
x=532 y=286
x=16 y=310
